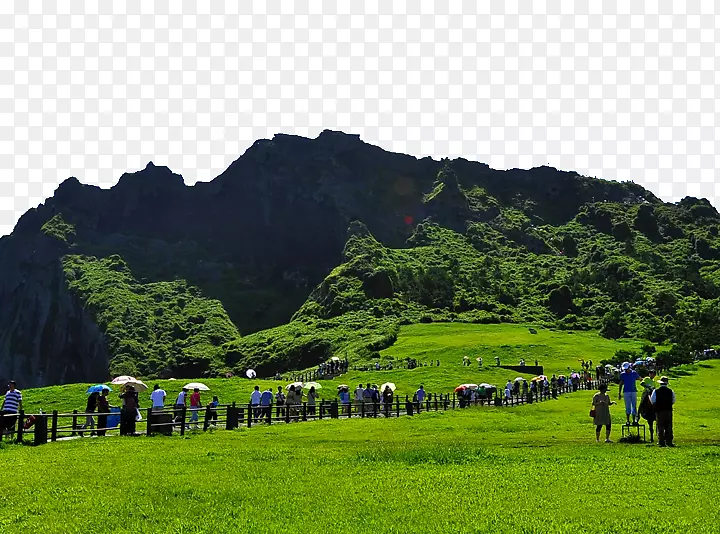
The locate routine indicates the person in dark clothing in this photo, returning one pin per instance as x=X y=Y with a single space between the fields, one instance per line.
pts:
x=129 y=411
x=646 y=408
x=663 y=398
x=90 y=409
x=103 y=407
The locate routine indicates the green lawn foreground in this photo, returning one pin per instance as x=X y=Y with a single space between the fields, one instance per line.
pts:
x=533 y=468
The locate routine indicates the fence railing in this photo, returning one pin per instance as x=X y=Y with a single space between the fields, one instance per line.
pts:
x=56 y=426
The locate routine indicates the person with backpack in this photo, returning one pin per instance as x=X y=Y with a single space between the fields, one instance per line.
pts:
x=129 y=411
x=280 y=403
x=213 y=410
x=663 y=398
x=646 y=408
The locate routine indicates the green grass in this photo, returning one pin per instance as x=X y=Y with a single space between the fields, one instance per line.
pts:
x=533 y=468
x=555 y=350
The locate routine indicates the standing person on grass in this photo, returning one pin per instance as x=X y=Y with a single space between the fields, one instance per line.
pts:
x=279 y=402
x=195 y=407
x=129 y=411
x=180 y=404
x=420 y=396
x=628 y=384
x=103 y=408
x=89 y=410
x=601 y=404
x=646 y=408
x=10 y=408
x=158 y=398
x=663 y=398
x=312 y=399
x=266 y=402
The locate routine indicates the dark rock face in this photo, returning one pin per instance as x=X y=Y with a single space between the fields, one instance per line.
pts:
x=46 y=336
x=259 y=237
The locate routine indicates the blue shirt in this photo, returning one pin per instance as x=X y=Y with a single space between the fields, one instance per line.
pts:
x=628 y=380
x=266 y=398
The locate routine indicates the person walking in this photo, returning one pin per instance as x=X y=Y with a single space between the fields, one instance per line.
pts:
x=420 y=396
x=312 y=399
x=89 y=410
x=646 y=408
x=213 y=410
x=266 y=403
x=180 y=404
x=103 y=408
x=158 y=398
x=663 y=398
x=129 y=411
x=628 y=379
x=601 y=404
x=195 y=406
x=280 y=399
x=255 y=397
x=10 y=408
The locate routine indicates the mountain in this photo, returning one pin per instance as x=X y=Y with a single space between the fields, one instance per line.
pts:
x=305 y=248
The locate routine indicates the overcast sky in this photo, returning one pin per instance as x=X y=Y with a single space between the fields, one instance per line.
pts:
x=618 y=90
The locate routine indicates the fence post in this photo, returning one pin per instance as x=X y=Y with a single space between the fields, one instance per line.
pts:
x=321 y=407
x=269 y=413
x=206 y=422
x=41 y=430
x=230 y=418
x=362 y=408
x=287 y=411
x=436 y=403
x=250 y=415
x=304 y=417
x=74 y=423
x=453 y=401
x=183 y=418
x=149 y=430
x=53 y=432
x=20 y=425
x=397 y=406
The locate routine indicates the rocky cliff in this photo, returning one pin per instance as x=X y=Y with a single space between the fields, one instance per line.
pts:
x=268 y=241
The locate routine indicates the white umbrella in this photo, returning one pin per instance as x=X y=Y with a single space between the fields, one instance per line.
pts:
x=519 y=379
x=296 y=384
x=335 y=359
x=123 y=379
x=308 y=385
x=388 y=384
x=341 y=386
x=486 y=385
x=196 y=385
x=137 y=385
x=469 y=386
x=250 y=373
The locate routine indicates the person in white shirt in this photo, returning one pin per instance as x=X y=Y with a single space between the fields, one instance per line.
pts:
x=158 y=398
x=180 y=404
x=255 y=397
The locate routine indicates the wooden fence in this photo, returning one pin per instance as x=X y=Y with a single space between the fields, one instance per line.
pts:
x=59 y=426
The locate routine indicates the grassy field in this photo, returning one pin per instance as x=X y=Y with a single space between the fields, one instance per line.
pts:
x=533 y=468
x=557 y=351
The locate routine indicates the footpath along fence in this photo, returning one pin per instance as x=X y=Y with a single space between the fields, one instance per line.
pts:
x=58 y=426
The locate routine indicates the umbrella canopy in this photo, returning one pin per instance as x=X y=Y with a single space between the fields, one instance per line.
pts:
x=486 y=385
x=478 y=359
x=250 y=373
x=298 y=385
x=334 y=359
x=343 y=386
x=469 y=386
x=98 y=389
x=120 y=380
x=460 y=388
x=575 y=375
x=196 y=385
x=609 y=366
x=138 y=385
x=388 y=384
x=308 y=385
x=519 y=379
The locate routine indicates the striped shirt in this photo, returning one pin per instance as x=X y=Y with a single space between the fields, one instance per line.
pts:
x=12 y=401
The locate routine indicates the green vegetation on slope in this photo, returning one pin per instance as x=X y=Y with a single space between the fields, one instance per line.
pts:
x=534 y=467
x=155 y=329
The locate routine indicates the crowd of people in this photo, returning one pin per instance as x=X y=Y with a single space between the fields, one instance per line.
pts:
x=656 y=406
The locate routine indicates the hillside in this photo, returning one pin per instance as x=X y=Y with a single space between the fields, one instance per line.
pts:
x=305 y=248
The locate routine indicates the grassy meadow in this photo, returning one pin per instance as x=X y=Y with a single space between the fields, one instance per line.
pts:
x=558 y=351
x=528 y=469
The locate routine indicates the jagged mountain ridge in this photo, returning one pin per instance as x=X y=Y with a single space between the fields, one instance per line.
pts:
x=258 y=238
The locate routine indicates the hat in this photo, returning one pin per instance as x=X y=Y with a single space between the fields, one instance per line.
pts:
x=648 y=383
x=625 y=366
x=664 y=380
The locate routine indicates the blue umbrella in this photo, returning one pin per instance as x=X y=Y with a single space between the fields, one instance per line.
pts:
x=98 y=389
